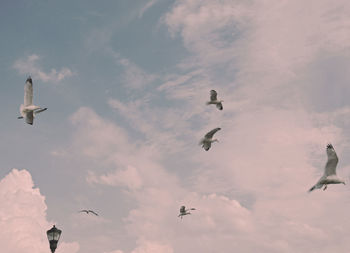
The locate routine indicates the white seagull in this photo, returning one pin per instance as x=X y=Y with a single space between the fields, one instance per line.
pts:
x=329 y=176
x=214 y=100
x=184 y=211
x=88 y=211
x=28 y=110
x=207 y=140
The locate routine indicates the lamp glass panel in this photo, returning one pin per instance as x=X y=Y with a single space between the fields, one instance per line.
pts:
x=50 y=236
x=57 y=235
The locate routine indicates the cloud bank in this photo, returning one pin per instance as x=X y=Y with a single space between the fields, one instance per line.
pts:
x=250 y=189
x=23 y=217
x=281 y=68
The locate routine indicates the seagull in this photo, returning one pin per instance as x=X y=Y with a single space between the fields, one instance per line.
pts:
x=214 y=100
x=207 y=140
x=28 y=110
x=329 y=176
x=88 y=211
x=184 y=211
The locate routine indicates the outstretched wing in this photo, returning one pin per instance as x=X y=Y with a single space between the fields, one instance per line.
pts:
x=210 y=134
x=83 y=211
x=28 y=92
x=29 y=117
x=93 y=212
x=219 y=106
x=331 y=165
x=318 y=185
x=312 y=188
x=213 y=95
x=40 y=110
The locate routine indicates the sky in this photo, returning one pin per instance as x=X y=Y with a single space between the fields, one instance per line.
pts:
x=126 y=84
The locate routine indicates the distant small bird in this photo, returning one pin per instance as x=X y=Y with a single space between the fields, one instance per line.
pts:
x=88 y=211
x=28 y=110
x=214 y=100
x=329 y=176
x=184 y=211
x=207 y=140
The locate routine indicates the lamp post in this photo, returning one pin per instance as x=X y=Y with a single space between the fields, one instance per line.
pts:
x=53 y=235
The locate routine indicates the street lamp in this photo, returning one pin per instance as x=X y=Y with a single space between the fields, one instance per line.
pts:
x=53 y=235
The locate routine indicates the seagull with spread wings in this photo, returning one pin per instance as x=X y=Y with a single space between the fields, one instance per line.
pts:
x=28 y=110
x=87 y=212
x=214 y=100
x=184 y=211
x=329 y=176
x=208 y=139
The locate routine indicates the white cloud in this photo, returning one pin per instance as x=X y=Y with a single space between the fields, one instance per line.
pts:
x=134 y=77
x=153 y=247
x=30 y=66
x=273 y=146
x=280 y=144
x=128 y=177
x=23 y=214
x=208 y=28
x=249 y=189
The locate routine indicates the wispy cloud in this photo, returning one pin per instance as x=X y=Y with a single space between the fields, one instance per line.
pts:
x=148 y=5
x=134 y=77
x=129 y=177
x=30 y=66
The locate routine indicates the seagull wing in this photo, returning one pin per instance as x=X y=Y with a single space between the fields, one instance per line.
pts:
x=213 y=95
x=219 y=106
x=330 y=168
x=28 y=92
x=312 y=188
x=93 y=212
x=29 y=116
x=83 y=211
x=39 y=111
x=318 y=185
x=210 y=134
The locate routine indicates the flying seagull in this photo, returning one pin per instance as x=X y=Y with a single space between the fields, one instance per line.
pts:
x=207 y=140
x=184 y=211
x=214 y=100
x=88 y=211
x=28 y=110
x=329 y=176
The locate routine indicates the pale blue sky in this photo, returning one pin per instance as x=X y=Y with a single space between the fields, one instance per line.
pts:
x=126 y=82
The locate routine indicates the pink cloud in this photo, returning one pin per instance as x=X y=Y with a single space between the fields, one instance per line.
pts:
x=249 y=189
x=30 y=66
x=23 y=214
